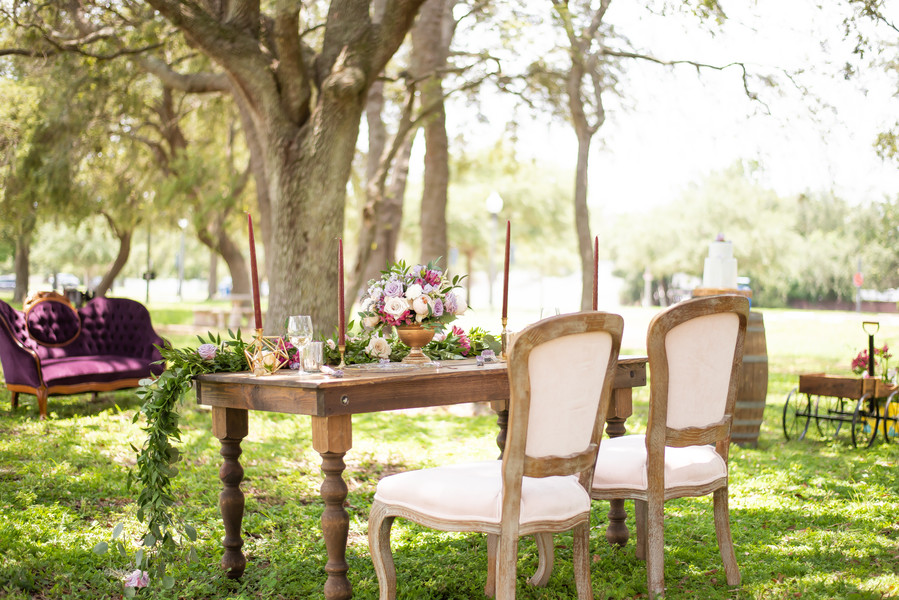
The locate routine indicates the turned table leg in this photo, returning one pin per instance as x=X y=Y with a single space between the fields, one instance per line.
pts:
x=501 y=408
x=230 y=426
x=332 y=437
x=620 y=409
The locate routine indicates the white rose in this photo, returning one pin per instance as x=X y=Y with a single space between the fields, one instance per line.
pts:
x=395 y=307
x=370 y=322
x=378 y=347
x=332 y=344
x=413 y=291
x=421 y=305
x=366 y=305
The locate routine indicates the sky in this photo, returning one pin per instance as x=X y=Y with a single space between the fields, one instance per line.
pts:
x=674 y=127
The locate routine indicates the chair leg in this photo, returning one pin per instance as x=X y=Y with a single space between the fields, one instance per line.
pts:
x=655 y=547
x=14 y=400
x=42 y=395
x=490 y=586
x=582 y=561
x=379 y=547
x=640 y=516
x=722 y=531
x=506 y=567
x=545 y=558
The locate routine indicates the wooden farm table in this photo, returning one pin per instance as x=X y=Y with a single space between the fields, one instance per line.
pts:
x=331 y=402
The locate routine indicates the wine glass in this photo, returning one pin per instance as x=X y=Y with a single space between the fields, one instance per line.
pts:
x=299 y=332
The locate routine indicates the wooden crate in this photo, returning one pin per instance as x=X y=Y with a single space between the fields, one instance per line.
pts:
x=840 y=386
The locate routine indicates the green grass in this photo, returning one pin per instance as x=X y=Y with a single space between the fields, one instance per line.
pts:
x=814 y=519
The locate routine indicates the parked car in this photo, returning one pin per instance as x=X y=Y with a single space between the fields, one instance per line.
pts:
x=7 y=282
x=64 y=280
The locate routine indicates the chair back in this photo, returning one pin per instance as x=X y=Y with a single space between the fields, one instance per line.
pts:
x=695 y=353
x=561 y=371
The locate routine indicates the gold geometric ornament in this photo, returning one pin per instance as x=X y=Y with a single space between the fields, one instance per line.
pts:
x=266 y=355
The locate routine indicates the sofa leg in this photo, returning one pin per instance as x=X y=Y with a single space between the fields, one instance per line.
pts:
x=42 y=402
x=95 y=396
x=14 y=400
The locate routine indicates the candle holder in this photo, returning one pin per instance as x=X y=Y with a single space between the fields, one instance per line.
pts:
x=342 y=349
x=266 y=355
x=503 y=340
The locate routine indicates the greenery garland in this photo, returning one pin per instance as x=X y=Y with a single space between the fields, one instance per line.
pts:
x=158 y=456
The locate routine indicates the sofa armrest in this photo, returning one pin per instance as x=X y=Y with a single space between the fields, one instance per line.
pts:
x=21 y=365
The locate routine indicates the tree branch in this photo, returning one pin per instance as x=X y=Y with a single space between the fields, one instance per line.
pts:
x=291 y=70
x=194 y=83
x=698 y=65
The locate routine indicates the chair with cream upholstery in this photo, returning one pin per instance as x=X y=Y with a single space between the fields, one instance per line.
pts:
x=560 y=375
x=695 y=352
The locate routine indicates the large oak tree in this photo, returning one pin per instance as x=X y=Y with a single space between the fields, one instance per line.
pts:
x=305 y=104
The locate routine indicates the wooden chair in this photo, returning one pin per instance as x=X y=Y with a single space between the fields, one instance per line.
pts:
x=695 y=352
x=560 y=373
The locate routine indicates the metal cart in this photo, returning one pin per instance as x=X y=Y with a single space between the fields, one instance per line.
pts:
x=830 y=401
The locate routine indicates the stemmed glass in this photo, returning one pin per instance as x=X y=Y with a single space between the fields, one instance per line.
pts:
x=299 y=332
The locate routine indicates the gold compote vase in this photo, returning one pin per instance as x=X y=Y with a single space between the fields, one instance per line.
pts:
x=415 y=336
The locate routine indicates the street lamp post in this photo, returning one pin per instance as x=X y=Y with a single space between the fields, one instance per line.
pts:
x=182 y=223
x=494 y=206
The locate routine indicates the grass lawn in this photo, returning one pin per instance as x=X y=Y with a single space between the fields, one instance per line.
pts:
x=814 y=519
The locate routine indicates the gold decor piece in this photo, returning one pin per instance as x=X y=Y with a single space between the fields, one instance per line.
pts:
x=415 y=336
x=504 y=341
x=266 y=355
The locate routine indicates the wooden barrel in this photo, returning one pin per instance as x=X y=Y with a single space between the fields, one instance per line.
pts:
x=750 y=405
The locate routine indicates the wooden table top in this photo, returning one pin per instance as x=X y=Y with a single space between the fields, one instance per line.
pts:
x=371 y=389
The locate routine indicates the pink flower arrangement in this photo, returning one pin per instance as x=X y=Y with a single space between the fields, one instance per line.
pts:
x=882 y=358
x=463 y=340
x=409 y=295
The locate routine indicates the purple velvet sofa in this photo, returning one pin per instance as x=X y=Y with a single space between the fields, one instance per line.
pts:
x=51 y=349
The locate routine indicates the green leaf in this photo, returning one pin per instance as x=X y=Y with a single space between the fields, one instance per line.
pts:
x=101 y=548
x=149 y=540
x=190 y=532
x=117 y=531
x=129 y=592
x=168 y=582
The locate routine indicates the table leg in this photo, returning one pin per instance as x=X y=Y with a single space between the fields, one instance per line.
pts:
x=501 y=407
x=332 y=437
x=620 y=409
x=230 y=426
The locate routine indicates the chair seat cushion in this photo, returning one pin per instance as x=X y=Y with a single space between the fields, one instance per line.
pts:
x=473 y=492
x=95 y=369
x=621 y=464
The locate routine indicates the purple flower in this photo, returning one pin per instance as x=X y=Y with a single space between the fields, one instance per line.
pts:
x=438 y=307
x=450 y=303
x=207 y=351
x=393 y=289
x=138 y=578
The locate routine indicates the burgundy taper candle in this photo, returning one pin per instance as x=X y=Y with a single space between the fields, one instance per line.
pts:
x=254 y=276
x=596 y=273
x=341 y=319
x=506 y=273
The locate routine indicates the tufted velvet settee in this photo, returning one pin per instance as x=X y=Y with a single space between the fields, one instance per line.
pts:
x=50 y=348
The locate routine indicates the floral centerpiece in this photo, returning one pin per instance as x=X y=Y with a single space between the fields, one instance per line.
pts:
x=881 y=358
x=405 y=295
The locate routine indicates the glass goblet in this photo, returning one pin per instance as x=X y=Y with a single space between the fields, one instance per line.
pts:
x=299 y=332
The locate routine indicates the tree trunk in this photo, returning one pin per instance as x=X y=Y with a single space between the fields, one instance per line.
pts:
x=216 y=238
x=582 y=221
x=22 y=267
x=431 y=39
x=212 y=280
x=118 y=264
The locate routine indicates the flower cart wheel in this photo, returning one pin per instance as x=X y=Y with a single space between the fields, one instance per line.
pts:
x=829 y=415
x=797 y=415
x=865 y=420
x=891 y=417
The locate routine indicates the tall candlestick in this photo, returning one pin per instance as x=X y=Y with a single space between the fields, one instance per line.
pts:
x=596 y=273
x=254 y=276
x=341 y=319
x=506 y=274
